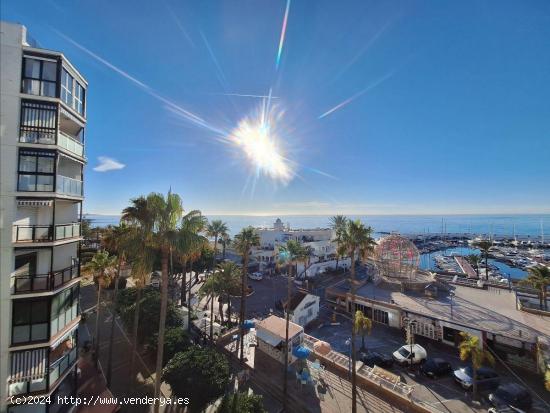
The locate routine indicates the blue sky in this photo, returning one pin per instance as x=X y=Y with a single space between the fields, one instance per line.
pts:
x=454 y=114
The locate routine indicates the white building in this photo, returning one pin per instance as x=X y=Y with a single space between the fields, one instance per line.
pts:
x=42 y=115
x=271 y=335
x=304 y=308
x=318 y=239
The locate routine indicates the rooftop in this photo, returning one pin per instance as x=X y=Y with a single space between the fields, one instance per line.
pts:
x=493 y=310
x=277 y=326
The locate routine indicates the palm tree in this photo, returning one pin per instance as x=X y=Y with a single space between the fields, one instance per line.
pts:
x=100 y=266
x=363 y=326
x=192 y=224
x=470 y=349
x=158 y=217
x=337 y=223
x=539 y=278
x=243 y=243
x=485 y=246
x=474 y=260
x=211 y=288
x=215 y=229
x=230 y=275
x=225 y=241
x=289 y=254
x=355 y=241
x=114 y=240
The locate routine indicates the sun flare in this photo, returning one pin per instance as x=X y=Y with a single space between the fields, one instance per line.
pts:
x=257 y=139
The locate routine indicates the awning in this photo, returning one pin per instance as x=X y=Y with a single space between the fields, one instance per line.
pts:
x=34 y=203
x=28 y=365
x=268 y=338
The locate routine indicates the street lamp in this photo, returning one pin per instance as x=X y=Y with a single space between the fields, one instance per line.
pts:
x=348 y=343
x=451 y=294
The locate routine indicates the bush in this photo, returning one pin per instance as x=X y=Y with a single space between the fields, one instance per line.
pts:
x=201 y=374
x=241 y=403
x=176 y=341
x=149 y=313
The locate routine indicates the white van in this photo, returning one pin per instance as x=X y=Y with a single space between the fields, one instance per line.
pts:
x=410 y=354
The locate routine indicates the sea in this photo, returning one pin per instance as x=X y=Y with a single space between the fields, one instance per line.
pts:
x=523 y=226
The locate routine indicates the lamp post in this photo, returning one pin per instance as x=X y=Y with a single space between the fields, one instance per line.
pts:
x=452 y=294
x=348 y=343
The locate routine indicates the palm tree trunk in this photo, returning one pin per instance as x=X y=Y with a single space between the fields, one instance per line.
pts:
x=287 y=321
x=353 y=337
x=363 y=342
x=474 y=383
x=96 y=347
x=189 y=300
x=162 y=324
x=220 y=308
x=243 y=304
x=135 y=332
x=541 y=296
x=183 y=293
x=212 y=317
x=229 y=311
x=223 y=251
x=110 y=359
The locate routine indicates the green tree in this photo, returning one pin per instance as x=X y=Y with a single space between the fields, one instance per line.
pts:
x=201 y=374
x=176 y=340
x=471 y=349
x=539 y=278
x=242 y=403
x=229 y=274
x=355 y=242
x=485 y=246
x=116 y=241
x=101 y=266
x=216 y=229
x=225 y=241
x=243 y=243
x=474 y=261
x=211 y=288
x=289 y=254
x=337 y=224
x=363 y=326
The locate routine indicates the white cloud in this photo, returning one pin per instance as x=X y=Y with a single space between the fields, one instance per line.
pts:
x=108 y=164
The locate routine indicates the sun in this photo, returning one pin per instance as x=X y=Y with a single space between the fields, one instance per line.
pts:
x=261 y=146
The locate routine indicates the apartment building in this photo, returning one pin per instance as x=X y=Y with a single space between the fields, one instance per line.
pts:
x=43 y=118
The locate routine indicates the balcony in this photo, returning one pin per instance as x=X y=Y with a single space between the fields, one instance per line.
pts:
x=39 y=283
x=71 y=144
x=45 y=233
x=68 y=186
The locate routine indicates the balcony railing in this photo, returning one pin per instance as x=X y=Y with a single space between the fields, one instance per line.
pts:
x=25 y=284
x=31 y=134
x=70 y=143
x=68 y=186
x=45 y=233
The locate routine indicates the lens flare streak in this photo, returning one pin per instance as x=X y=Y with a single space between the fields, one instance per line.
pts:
x=358 y=94
x=283 y=34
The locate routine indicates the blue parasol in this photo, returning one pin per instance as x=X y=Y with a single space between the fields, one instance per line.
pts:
x=248 y=324
x=301 y=352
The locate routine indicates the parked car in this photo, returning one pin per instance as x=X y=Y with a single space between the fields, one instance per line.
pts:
x=372 y=358
x=511 y=395
x=410 y=354
x=436 y=367
x=487 y=379
x=257 y=276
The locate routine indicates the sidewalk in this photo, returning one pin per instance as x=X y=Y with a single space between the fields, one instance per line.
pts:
x=92 y=387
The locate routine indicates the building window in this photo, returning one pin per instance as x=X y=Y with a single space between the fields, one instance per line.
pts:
x=64 y=309
x=29 y=321
x=36 y=171
x=39 y=77
x=381 y=316
x=38 y=122
x=72 y=92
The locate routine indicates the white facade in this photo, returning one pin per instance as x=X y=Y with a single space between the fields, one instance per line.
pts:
x=42 y=120
x=306 y=310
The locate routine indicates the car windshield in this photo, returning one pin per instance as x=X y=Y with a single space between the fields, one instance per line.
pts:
x=468 y=371
x=404 y=352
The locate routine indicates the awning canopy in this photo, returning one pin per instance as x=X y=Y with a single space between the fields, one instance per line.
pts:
x=270 y=339
x=28 y=365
